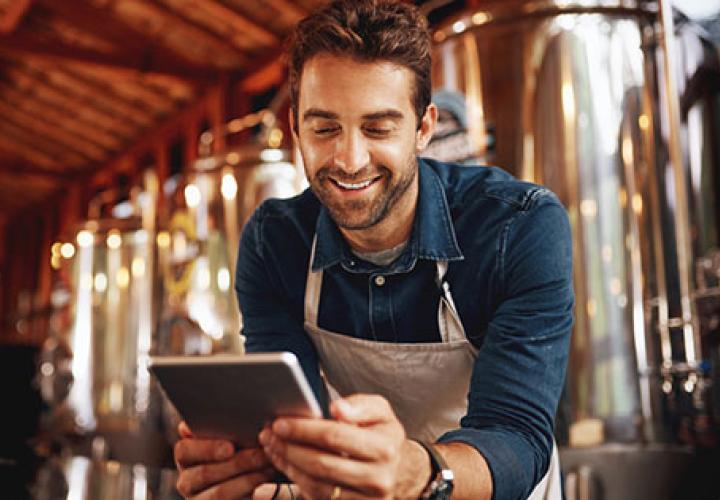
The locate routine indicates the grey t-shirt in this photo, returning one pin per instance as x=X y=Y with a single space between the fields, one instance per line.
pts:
x=383 y=257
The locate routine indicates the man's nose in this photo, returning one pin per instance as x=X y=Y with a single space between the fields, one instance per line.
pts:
x=351 y=153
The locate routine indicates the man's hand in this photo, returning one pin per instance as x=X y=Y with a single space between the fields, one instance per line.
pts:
x=363 y=451
x=212 y=468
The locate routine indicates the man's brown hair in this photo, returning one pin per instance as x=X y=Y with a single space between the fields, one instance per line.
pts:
x=366 y=31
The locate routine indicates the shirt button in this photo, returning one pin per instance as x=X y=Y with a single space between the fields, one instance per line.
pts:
x=351 y=263
x=379 y=280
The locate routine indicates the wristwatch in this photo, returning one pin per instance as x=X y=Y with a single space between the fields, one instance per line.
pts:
x=440 y=486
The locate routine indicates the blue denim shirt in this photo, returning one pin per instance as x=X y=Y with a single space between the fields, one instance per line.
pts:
x=509 y=249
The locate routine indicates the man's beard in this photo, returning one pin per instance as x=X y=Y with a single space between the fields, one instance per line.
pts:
x=363 y=213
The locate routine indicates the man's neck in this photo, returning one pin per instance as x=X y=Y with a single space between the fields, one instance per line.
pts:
x=390 y=232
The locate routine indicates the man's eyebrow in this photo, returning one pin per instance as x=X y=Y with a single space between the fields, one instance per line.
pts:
x=392 y=114
x=319 y=113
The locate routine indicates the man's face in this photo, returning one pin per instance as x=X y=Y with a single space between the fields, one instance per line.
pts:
x=358 y=137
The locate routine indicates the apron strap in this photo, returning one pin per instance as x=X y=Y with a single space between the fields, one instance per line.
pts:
x=313 y=283
x=451 y=328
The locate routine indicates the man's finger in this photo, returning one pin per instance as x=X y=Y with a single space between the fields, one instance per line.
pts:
x=239 y=487
x=200 y=477
x=184 y=430
x=327 y=468
x=362 y=409
x=309 y=487
x=189 y=452
x=329 y=435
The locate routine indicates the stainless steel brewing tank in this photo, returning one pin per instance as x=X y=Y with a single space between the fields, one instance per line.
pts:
x=93 y=370
x=571 y=95
x=198 y=245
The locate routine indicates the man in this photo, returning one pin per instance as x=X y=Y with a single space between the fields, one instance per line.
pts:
x=435 y=298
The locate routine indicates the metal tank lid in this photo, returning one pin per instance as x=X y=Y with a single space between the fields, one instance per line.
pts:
x=489 y=12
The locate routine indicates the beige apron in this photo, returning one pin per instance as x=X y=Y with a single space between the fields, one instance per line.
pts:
x=427 y=384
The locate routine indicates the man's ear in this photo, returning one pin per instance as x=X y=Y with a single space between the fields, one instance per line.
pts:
x=293 y=125
x=427 y=127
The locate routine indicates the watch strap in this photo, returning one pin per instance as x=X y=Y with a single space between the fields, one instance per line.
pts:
x=440 y=485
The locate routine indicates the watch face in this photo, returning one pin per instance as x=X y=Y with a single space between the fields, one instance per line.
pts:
x=441 y=489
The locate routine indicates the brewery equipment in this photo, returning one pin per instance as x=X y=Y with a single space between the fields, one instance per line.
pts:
x=576 y=95
x=93 y=367
x=208 y=206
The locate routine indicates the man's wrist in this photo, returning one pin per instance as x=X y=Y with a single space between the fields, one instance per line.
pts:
x=415 y=470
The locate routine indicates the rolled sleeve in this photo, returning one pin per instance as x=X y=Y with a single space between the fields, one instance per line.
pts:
x=520 y=370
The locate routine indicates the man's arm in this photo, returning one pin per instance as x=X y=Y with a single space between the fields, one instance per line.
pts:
x=520 y=370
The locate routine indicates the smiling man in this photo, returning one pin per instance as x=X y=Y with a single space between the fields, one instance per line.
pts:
x=436 y=299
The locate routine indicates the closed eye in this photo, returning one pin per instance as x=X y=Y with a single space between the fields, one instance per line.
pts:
x=379 y=132
x=325 y=130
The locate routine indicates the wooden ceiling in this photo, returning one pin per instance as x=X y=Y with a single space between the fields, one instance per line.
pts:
x=81 y=80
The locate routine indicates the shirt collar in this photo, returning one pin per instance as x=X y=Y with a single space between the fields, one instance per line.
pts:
x=432 y=238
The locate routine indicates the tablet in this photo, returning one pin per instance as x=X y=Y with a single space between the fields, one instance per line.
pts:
x=233 y=396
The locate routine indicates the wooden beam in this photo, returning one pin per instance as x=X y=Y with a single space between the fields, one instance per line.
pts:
x=53 y=117
x=49 y=135
x=269 y=70
x=29 y=139
x=56 y=133
x=105 y=112
x=14 y=13
x=136 y=64
x=32 y=171
x=289 y=8
x=68 y=111
x=103 y=22
x=247 y=27
x=134 y=94
x=217 y=40
x=22 y=149
x=242 y=13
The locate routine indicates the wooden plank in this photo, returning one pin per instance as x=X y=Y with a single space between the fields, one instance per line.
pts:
x=268 y=71
x=30 y=140
x=246 y=26
x=182 y=19
x=49 y=135
x=14 y=13
x=57 y=176
x=134 y=63
x=57 y=134
x=73 y=114
x=133 y=93
x=288 y=8
x=28 y=152
x=103 y=23
x=81 y=102
x=55 y=118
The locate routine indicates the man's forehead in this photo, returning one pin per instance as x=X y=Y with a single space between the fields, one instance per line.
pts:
x=339 y=84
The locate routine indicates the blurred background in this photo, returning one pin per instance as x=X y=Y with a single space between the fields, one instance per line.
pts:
x=137 y=137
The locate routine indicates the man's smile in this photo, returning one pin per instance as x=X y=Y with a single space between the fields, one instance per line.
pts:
x=355 y=186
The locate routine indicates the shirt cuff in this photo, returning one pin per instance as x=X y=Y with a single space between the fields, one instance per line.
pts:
x=506 y=455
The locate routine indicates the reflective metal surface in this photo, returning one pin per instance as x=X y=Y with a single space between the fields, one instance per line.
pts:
x=572 y=95
x=92 y=370
x=79 y=478
x=209 y=205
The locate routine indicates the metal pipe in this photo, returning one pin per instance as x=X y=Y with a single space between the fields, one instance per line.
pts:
x=691 y=330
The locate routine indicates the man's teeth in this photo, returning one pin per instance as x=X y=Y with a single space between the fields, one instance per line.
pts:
x=359 y=185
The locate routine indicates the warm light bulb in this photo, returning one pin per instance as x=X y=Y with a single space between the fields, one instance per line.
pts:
x=114 y=240
x=85 y=238
x=67 y=250
x=192 y=195
x=229 y=187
